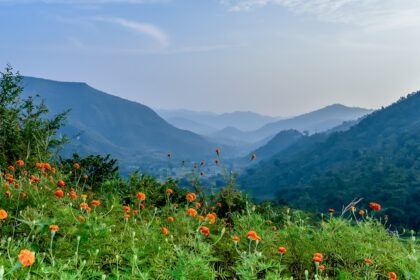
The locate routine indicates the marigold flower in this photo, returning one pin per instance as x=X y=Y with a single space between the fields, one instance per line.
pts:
x=169 y=191
x=61 y=183
x=84 y=196
x=59 y=193
x=126 y=217
x=331 y=210
x=141 y=206
x=282 y=250
x=26 y=257
x=362 y=212
x=321 y=267
x=211 y=217
x=253 y=236
x=318 y=257
x=170 y=219
x=81 y=218
x=76 y=165
x=165 y=231
x=85 y=177
x=8 y=194
x=205 y=230
x=126 y=209
x=392 y=275
x=368 y=261
x=73 y=194
x=3 y=214
x=11 y=168
x=191 y=197
x=84 y=205
x=201 y=218
x=54 y=228
x=141 y=196
x=236 y=239
x=20 y=163
x=192 y=212
x=95 y=202
x=23 y=194
x=375 y=206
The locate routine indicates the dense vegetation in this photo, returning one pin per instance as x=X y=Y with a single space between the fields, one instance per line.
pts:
x=378 y=158
x=77 y=218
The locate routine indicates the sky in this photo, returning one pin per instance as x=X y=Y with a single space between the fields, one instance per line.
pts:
x=275 y=57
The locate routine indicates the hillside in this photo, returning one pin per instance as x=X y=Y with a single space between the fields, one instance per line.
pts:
x=379 y=157
x=128 y=130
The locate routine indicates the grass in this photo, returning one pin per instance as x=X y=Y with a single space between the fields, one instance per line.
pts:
x=110 y=241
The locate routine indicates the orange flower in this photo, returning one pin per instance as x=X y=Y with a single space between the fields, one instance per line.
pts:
x=170 y=219
x=211 y=217
x=192 y=212
x=126 y=209
x=26 y=257
x=253 y=156
x=76 y=165
x=253 y=236
x=321 y=267
x=169 y=191
x=236 y=239
x=191 y=197
x=282 y=250
x=81 y=218
x=141 y=196
x=331 y=210
x=141 y=206
x=201 y=218
x=59 y=193
x=20 y=163
x=392 y=275
x=3 y=214
x=318 y=257
x=54 y=228
x=375 y=206
x=362 y=212
x=85 y=177
x=368 y=261
x=23 y=194
x=126 y=217
x=95 y=202
x=8 y=194
x=61 y=183
x=205 y=230
x=219 y=204
x=11 y=168
x=84 y=205
x=197 y=204
x=73 y=194
x=165 y=231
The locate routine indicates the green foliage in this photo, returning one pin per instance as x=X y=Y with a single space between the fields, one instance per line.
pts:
x=25 y=133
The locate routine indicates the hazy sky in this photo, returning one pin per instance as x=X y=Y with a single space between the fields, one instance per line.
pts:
x=278 y=57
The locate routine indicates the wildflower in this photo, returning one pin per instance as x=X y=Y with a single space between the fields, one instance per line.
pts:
x=197 y=204
x=135 y=212
x=11 y=168
x=23 y=194
x=126 y=209
x=253 y=235
x=274 y=228
x=282 y=250
x=205 y=230
x=202 y=162
x=8 y=194
x=236 y=239
x=318 y=257
x=141 y=196
x=253 y=156
x=61 y=183
x=83 y=196
x=126 y=217
x=169 y=191
x=321 y=267
x=84 y=205
x=192 y=212
x=26 y=257
x=269 y=222
x=85 y=177
x=216 y=161
x=218 y=152
x=375 y=206
x=54 y=228
x=141 y=206
x=331 y=210
x=362 y=212
x=76 y=165
x=219 y=204
x=3 y=214
x=201 y=173
x=392 y=275
x=73 y=194
x=165 y=231
x=20 y=163
x=81 y=218
x=95 y=202
x=170 y=219
x=368 y=261
x=59 y=193
x=201 y=218
x=211 y=217
x=191 y=197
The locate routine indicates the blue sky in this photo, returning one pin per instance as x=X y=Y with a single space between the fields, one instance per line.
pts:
x=277 y=57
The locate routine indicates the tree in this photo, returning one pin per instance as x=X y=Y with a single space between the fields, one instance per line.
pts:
x=25 y=131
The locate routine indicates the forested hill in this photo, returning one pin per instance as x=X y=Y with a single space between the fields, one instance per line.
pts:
x=379 y=158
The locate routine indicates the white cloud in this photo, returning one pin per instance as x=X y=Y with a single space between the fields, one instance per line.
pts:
x=143 y=28
x=372 y=14
x=85 y=2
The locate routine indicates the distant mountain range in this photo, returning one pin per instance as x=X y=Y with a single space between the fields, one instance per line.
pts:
x=130 y=131
x=376 y=158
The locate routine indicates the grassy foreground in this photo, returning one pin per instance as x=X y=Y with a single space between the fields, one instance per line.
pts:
x=55 y=226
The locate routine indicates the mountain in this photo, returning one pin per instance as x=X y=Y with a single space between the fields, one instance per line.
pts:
x=376 y=159
x=128 y=130
x=211 y=122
